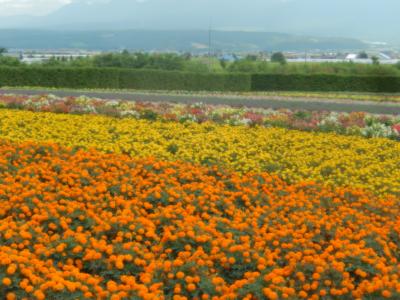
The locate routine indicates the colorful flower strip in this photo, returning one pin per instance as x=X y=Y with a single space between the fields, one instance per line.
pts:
x=360 y=124
x=331 y=159
x=371 y=97
x=78 y=224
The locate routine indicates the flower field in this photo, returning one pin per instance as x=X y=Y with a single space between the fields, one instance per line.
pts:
x=331 y=159
x=157 y=207
x=358 y=123
x=81 y=224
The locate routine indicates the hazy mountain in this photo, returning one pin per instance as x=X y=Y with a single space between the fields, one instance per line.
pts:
x=364 y=19
x=173 y=40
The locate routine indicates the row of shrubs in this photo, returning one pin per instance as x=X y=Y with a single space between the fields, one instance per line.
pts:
x=325 y=82
x=112 y=78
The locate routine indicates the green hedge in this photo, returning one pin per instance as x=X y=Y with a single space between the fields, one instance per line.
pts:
x=59 y=77
x=122 y=79
x=325 y=83
x=171 y=80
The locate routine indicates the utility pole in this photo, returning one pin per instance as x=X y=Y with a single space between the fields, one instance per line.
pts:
x=209 y=45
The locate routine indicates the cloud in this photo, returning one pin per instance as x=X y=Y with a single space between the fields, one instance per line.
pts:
x=29 y=7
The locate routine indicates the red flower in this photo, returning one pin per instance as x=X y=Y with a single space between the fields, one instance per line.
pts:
x=254 y=117
x=397 y=128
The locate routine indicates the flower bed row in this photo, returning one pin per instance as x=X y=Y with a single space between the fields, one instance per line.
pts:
x=377 y=97
x=334 y=160
x=83 y=224
x=372 y=97
x=360 y=124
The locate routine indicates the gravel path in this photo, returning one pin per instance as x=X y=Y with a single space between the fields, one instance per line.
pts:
x=275 y=102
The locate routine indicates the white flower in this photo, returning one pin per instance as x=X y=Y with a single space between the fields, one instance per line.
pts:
x=189 y=117
x=378 y=130
x=27 y=102
x=53 y=97
x=85 y=109
x=198 y=105
x=130 y=113
x=111 y=103
x=36 y=104
x=332 y=119
x=83 y=100
x=244 y=121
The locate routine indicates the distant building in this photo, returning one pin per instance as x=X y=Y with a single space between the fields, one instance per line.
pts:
x=32 y=60
x=385 y=55
x=351 y=56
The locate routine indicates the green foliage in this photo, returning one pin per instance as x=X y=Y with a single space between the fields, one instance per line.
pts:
x=9 y=61
x=278 y=57
x=223 y=63
x=362 y=55
x=251 y=57
x=325 y=83
x=125 y=59
x=250 y=66
x=196 y=67
x=164 y=80
x=59 y=77
x=52 y=62
x=120 y=78
x=340 y=68
x=149 y=115
x=375 y=60
x=243 y=66
x=113 y=78
x=187 y=63
x=173 y=148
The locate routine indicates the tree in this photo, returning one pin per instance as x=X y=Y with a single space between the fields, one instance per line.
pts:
x=3 y=50
x=52 y=62
x=196 y=66
x=243 y=65
x=167 y=61
x=223 y=63
x=251 y=57
x=375 y=60
x=9 y=61
x=187 y=56
x=278 y=57
x=362 y=55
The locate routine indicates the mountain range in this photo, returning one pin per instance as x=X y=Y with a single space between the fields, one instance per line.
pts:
x=170 y=40
x=184 y=24
x=362 y=19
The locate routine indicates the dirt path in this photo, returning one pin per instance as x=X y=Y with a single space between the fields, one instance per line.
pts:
x=274 y=102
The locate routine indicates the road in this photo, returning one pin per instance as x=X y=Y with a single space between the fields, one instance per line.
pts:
x=275 y=102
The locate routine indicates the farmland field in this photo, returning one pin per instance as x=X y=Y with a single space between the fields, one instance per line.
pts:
x=164 y=203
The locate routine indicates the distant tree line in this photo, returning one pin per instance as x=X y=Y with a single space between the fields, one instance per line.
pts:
x=8 y=61
x=126 y=59
x=277 y=64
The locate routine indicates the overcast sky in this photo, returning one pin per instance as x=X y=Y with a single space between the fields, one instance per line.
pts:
x=29 y=7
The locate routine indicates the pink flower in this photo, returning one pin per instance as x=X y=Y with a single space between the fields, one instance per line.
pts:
x=254 y=117
x=397 y=128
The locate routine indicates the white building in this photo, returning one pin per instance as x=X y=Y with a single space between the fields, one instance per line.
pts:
x=351 y=56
